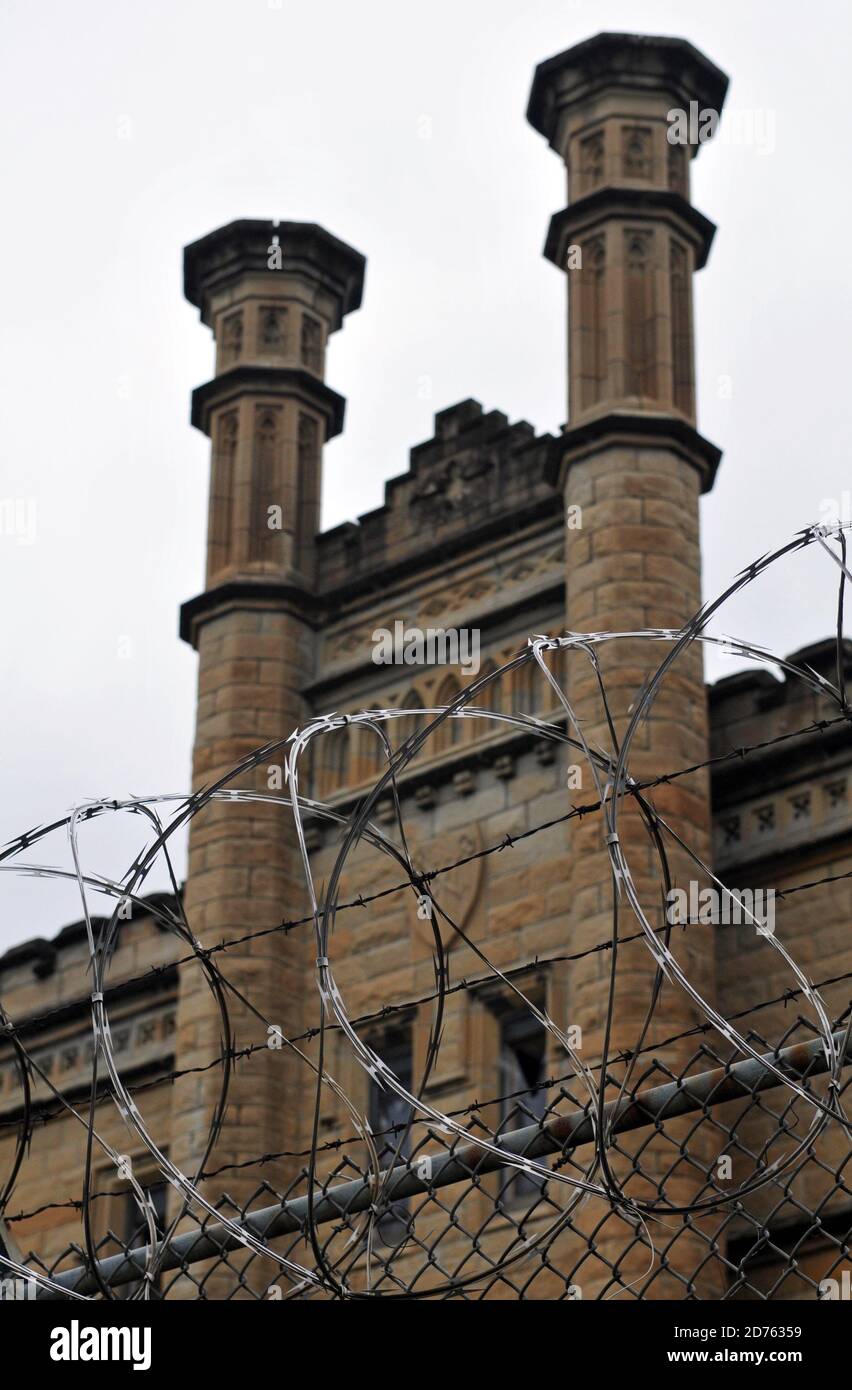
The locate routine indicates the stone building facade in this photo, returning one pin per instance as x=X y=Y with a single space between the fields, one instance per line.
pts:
x=472 y=536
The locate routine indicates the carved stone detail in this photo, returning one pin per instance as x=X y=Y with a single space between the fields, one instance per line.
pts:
x=308 y=441
x=449 y=600
x=677 y=169
x=451 y=490
x=592 y=322
x=265 y=481
x=637 y=161
x=272 y=329
x=592 y=160
x=638 y=250
x=222 y=491
x=640 y=327
x=311 y=343
x=682 y=385
x=232 y=337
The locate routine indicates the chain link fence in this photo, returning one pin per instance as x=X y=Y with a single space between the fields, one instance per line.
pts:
x=453 y=1221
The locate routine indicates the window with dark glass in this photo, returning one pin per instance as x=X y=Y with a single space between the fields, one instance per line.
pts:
x=130 y=1228
x=389 y=1114
x=523 y=1054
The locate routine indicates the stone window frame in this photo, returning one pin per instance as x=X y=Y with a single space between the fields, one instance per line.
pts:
x=112 y=1208
x=516 y=1191
x=452 y=732
x=395 y=1043
x=336 y=749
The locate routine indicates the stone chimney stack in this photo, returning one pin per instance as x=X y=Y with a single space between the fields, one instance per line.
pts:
x=272 y=293
x=632 y=466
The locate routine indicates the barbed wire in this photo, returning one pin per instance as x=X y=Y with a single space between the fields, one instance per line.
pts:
x=41 y=1115
x=333 y=1275
x=151 y=908
x=408 y=1005
x=332 y=1145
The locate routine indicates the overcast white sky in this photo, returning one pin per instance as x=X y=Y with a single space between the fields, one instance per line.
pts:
x=239 y=108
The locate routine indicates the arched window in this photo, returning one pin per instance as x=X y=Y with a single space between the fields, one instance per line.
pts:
x=491 y=696
x=309 y=780
x=371 y=758
x=411 y=723
x=544 y=694
x=560 y=673
x=450 y=732
x=334 y=760
x=524 y=687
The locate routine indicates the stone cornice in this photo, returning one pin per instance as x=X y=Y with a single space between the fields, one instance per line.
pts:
x=782 y=766
x=634 y=431
x=318 y=608
x=808 y=856
x=44 y=953
x=242 y=248
x=131 y=1075
x=629 y=204
x=274 y=381
x=245 y=594
x=161 y=983
x=504 y=527
x=607 y=61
